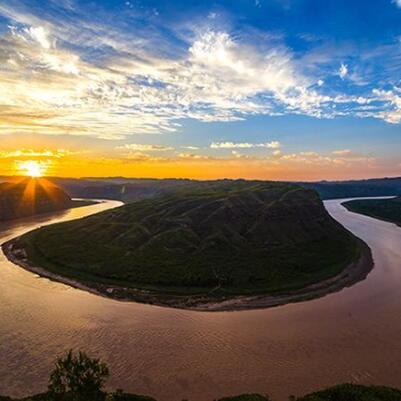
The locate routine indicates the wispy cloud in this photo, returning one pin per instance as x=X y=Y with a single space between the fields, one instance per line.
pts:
x=392 y=98
x=343 y=71
x=342 y=152
x=144 y=147
x=244 y=145
x=193 y=156
x=37 y=154
x=79 y=76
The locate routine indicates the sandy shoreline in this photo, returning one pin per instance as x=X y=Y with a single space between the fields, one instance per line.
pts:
x=356 y=271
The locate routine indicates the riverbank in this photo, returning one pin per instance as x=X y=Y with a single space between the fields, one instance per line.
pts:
x=354 y=272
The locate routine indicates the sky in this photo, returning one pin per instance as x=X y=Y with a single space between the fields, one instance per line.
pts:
x=266 y=89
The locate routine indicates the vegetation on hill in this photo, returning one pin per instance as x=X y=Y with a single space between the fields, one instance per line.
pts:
x=384 y=209
x=229 y=238
x=77 y=377
x=31 y=196
x=356 y=188
x=246 y=397
x=354 y=392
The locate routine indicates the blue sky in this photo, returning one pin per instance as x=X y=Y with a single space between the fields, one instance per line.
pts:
x=311 y=87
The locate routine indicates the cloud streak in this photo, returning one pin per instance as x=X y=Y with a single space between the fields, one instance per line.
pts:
x=244 y=145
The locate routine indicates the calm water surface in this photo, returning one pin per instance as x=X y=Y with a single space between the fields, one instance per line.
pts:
x=351 y=336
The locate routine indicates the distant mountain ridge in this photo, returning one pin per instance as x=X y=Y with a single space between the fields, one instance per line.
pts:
x=133 y=189
x=31 y=196
x=356 y=188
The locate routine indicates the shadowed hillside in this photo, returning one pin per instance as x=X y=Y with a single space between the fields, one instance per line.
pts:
x=231 y=237
x=384 y=209
x=31 y=196
x=356 y=188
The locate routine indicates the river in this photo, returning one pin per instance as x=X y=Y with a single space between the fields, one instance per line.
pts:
x=349 y=336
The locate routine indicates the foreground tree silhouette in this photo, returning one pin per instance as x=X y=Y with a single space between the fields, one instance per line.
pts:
x=77 y=377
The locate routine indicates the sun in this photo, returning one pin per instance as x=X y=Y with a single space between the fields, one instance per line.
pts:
x=32 y=168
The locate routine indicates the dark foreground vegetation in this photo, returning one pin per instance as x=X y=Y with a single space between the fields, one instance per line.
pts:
x=227 y=238
x=77 y=377
x=384 y=209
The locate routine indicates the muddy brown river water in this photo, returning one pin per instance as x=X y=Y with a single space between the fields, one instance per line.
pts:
x=351 y=336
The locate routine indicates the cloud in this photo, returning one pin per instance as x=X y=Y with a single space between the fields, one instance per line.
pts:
x=144 y=147
x=343 y=71
x=341 y=158
x=30 y=153
x=40 y=35
x=90 y=77
x=397 y=2
x=342 y=152
x=392 y=98
x=218 y=79
x=193 y=156
x=244 y=145
x=239 y=155
x=138 y=157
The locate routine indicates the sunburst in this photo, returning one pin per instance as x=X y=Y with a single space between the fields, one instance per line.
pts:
x=32 y=168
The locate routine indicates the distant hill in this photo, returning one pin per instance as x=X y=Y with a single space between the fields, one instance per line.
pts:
x=384 y=209
x=123 y=189
x=30 y=196
x=133 y=189
x=231 y=237
x=342 y=392
x=129 y=190
x=356 y=188
x=354 y=392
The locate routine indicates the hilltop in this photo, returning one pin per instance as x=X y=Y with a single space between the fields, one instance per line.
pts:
x=31 y=196
x=192 y=246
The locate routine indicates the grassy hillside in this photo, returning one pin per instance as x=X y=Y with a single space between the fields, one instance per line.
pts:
x=384 y=209
x=356 y=188
x=230 y=236
x=30 y=196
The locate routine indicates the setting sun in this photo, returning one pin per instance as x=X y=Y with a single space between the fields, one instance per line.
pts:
x=32 y=168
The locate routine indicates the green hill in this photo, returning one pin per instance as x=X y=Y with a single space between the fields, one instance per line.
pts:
x=384 y=209
x=230 y=237
x=30 y=196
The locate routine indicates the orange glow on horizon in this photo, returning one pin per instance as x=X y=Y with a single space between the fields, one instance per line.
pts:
x=100 y=165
